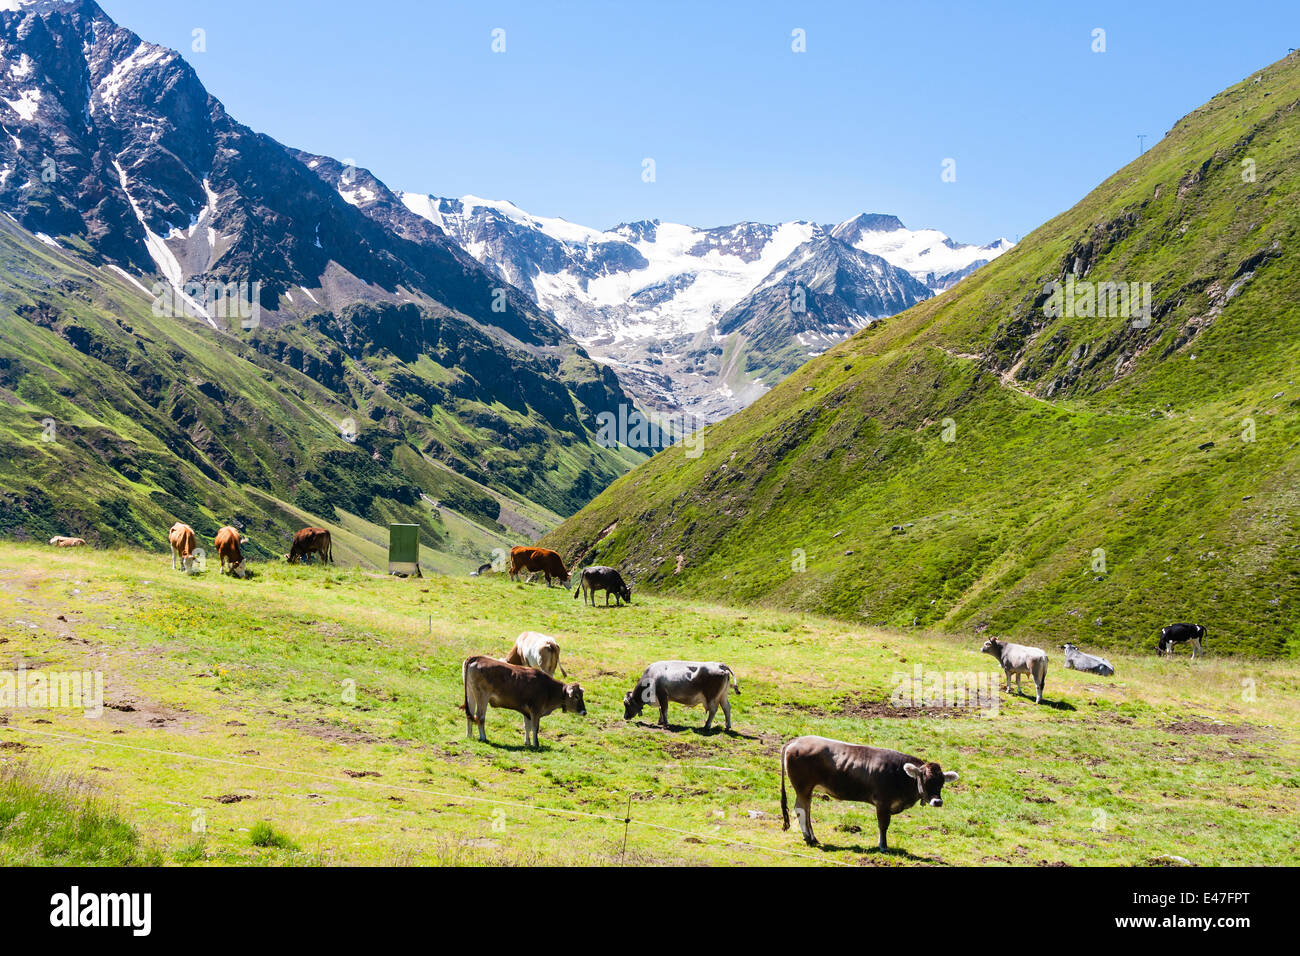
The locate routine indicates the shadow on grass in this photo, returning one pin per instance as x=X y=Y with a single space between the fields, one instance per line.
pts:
x=1054 y=704
x=876 y=851
x=698 y=731
x=514 y=748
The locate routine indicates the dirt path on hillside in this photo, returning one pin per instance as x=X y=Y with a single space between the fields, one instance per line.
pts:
x=37 y=618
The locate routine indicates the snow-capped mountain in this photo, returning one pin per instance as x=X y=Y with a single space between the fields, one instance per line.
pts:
x=650 y=298
x=115 y=158
x=821 y=293
x=928 y=254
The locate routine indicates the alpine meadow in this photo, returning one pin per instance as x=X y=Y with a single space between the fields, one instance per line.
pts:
x=809 y=539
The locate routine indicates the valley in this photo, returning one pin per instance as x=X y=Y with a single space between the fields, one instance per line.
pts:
x=323 y=703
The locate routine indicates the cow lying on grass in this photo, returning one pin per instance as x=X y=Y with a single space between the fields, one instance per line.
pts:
x=682 y=682
x=523 y=689
x=63 y=541
x=1076 y=660
x=1018 y=659
x=888 y=780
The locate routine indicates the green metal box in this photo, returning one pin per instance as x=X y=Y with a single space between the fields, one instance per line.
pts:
x=404 y=549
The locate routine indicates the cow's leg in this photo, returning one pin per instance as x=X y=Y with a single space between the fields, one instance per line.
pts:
x=1008 y=681
x=606 y=599
x=708 y=719
x=726 y=711
x=882 y=821
x=803 y=812
x=1196 y=648
x=1019 y=692
x=174 y=554
x=481 y=720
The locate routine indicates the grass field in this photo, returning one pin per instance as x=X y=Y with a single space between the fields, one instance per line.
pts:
x=309 y=716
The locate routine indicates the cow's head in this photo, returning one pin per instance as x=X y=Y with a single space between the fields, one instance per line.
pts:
x=994 y=646
x=930 y=779
x=633 y=703
x=573 y=703
x=240 y=570
x=625 y=592
x=1068 y=648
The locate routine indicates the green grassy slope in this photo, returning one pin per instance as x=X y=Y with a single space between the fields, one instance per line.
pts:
x=323 y=703
x=974 y=462
x=158 y=419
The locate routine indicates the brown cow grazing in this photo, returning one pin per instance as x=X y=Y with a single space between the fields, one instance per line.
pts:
x=183 y=543
x=62 y=541
x=538 y=559
x=311 y=541
x=536 y=650
x=888 y=780
x=228 y=543
x=523 y=689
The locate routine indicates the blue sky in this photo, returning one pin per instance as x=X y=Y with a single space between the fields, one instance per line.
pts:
x=739 y=126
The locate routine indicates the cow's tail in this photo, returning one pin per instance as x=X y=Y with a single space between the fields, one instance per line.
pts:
x=464 y=679
x=576 y=590
x=785 y=808
x=561 y=667
x=735 y=684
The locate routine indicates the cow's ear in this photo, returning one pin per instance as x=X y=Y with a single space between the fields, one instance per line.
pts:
x=950 y=776
x=911 y=770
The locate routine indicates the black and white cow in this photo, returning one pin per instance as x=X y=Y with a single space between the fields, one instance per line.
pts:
x=1076 y=660
x=1181 y=634
x=888 y=780
x=682 y=682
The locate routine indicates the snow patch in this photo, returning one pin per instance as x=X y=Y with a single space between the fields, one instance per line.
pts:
x=22 y=69
x=162 y=256
x=25 y=105
x=143 y=56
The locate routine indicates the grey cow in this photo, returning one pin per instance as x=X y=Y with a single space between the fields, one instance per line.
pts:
x=683 y=682
x=1019 y=659
x=1076 y=660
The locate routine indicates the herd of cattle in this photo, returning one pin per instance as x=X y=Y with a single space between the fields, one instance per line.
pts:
x=524 y=682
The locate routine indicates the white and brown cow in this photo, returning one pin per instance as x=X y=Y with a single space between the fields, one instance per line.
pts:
x=229 y=547
x=888 y=780
x=533 y=649
x=526 y=690
x=682 y=682
x=1019 y=659
x=183 y=541
x=63 y=541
